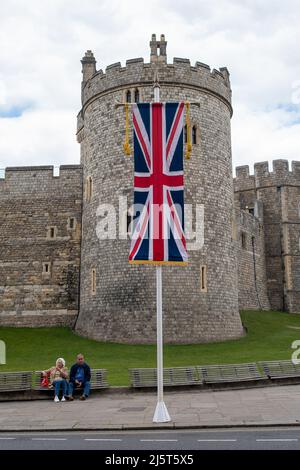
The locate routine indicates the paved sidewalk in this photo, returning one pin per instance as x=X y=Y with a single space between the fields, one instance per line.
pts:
x=258 y=406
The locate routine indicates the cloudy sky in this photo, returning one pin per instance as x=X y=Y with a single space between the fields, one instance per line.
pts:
x=42 y=43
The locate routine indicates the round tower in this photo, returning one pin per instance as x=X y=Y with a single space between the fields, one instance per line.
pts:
x=118 y=300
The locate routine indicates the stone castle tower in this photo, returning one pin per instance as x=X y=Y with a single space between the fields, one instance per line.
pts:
x=277 y=193
x=54 y=269
x=117 y=300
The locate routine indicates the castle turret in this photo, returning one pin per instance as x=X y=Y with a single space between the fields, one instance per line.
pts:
x=88 y=66
x=160 y=46
x=118 y=301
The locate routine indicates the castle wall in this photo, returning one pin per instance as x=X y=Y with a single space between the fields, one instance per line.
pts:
x=123 y=306
x=252 y=282
x=49 y=267
x=279 y=192
x=31 y=201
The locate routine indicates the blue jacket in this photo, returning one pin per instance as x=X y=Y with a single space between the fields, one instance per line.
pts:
x=86 y=369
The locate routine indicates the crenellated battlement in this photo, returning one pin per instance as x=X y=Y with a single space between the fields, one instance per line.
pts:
x=263 y=176
x=43 y=179
x=138 y=73
x=41 y=170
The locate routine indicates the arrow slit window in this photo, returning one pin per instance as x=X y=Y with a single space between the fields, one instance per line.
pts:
x=194 y=135
x=203 y=278
x=93 y=281
x=89 y=189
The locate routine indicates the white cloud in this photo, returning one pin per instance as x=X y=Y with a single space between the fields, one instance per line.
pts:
x=261 y=136
x=39 y=137
x=42 y=44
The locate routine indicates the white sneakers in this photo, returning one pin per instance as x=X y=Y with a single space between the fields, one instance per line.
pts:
x=56 y=399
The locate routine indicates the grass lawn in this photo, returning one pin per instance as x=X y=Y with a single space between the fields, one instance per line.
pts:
x=269 y=336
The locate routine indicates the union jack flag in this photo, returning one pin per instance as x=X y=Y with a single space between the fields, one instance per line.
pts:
x=158 y=219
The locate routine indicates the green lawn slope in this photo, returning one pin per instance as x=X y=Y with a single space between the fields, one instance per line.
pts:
x=269 y=336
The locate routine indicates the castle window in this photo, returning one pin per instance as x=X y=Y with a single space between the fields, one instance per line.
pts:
x=52 y=232
x=89 y=188
x=128 y=96
x=93 y=281
x=136 y=96
x=128 y=222
x=71 y=223
x=126 y=225
x=194 y=135
x=203 y=278
x=243 y=239
x=47 y=268
x=185 y=134
x=251 y=210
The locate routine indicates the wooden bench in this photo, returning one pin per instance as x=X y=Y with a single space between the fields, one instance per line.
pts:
x=98 y=380
x=172 y=376
x=280 y=369
x=15 y=381
x=230 y=373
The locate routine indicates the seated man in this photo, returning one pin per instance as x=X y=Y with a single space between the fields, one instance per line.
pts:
x=80 y=376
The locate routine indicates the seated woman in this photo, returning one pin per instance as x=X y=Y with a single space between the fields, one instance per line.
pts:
x=58 y=378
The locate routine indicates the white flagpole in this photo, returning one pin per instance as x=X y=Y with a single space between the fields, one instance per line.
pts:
x=161 y=414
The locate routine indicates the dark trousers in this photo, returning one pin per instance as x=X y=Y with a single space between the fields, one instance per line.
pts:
x=86 y=386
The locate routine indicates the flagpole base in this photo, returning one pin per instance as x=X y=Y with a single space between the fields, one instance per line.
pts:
x=161 y=414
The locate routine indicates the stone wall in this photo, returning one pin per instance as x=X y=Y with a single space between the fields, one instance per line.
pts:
x=251 y=261
x=32 y=201
x=279 y=193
